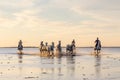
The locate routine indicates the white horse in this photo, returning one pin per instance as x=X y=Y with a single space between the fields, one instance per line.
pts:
x=43 y=49
x=98 y=48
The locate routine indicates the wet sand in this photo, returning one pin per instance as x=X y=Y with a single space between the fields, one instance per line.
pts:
x=106 y=66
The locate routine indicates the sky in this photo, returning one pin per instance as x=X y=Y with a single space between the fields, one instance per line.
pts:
x=33 y=21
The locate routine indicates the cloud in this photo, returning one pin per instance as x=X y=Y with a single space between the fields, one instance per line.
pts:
x=16 y=3
x=59 y=19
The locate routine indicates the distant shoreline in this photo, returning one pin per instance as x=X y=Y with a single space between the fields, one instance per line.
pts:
x=64 y=47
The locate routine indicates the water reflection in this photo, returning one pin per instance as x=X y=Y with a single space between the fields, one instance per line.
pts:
x=59 y=69
x=20 y=56
x=70 y=65
x=56 y=68
x=98 y=66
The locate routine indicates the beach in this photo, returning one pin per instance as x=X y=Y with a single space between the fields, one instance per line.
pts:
x=85 y=66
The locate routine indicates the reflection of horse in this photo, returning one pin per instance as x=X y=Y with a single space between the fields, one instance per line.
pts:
x=97 y=48
x=98 y=65
x=20 y=56
x=70 y=49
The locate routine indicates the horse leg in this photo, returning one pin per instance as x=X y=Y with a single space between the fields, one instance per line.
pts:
x=48 y=52
x=20 y=51
x=40 y=50
x=72 y=51
x=97 y=52
x=52 y=52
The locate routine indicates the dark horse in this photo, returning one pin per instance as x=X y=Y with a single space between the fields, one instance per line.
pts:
x=20 y=47
x=70 y=49
x=97 y=46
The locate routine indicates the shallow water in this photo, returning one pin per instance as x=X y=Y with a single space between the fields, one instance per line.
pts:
x=84 y=67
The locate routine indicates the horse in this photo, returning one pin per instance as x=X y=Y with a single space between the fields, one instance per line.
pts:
x=97 y=48
x=43 y=49
x=51 y=49
x=20 y=48
x=70 y=49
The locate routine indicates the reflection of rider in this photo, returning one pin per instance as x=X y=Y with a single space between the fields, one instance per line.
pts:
x=97 y=43
x=20 y=58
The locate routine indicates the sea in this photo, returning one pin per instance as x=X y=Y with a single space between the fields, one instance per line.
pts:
x=84 y=66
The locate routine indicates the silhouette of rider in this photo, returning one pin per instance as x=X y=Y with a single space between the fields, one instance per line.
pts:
x=59 y=46
x=73 y=42
x=41 y=45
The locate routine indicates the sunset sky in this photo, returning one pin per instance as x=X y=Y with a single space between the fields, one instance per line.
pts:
x=33 y=21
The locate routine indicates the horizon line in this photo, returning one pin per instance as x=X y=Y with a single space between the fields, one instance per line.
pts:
x=64 y=47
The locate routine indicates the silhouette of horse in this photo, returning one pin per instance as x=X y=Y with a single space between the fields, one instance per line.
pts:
x=20 y=48
x=70 y=49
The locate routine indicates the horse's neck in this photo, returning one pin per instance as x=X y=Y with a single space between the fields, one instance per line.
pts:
x=45 y=47
x=58 y=46
x=20 y=45
x=73 y=45
x=52 y=45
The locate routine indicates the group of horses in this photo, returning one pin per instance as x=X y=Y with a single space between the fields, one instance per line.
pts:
x=52 y=50
x=49 y=49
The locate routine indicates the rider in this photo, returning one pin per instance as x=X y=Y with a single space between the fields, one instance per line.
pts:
x=20 y=42
x=73 y=42
x=97 y=42
x=46 y=46
x=72 y=46
x=52 y=48
x=41 y=45
x=59 y=46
